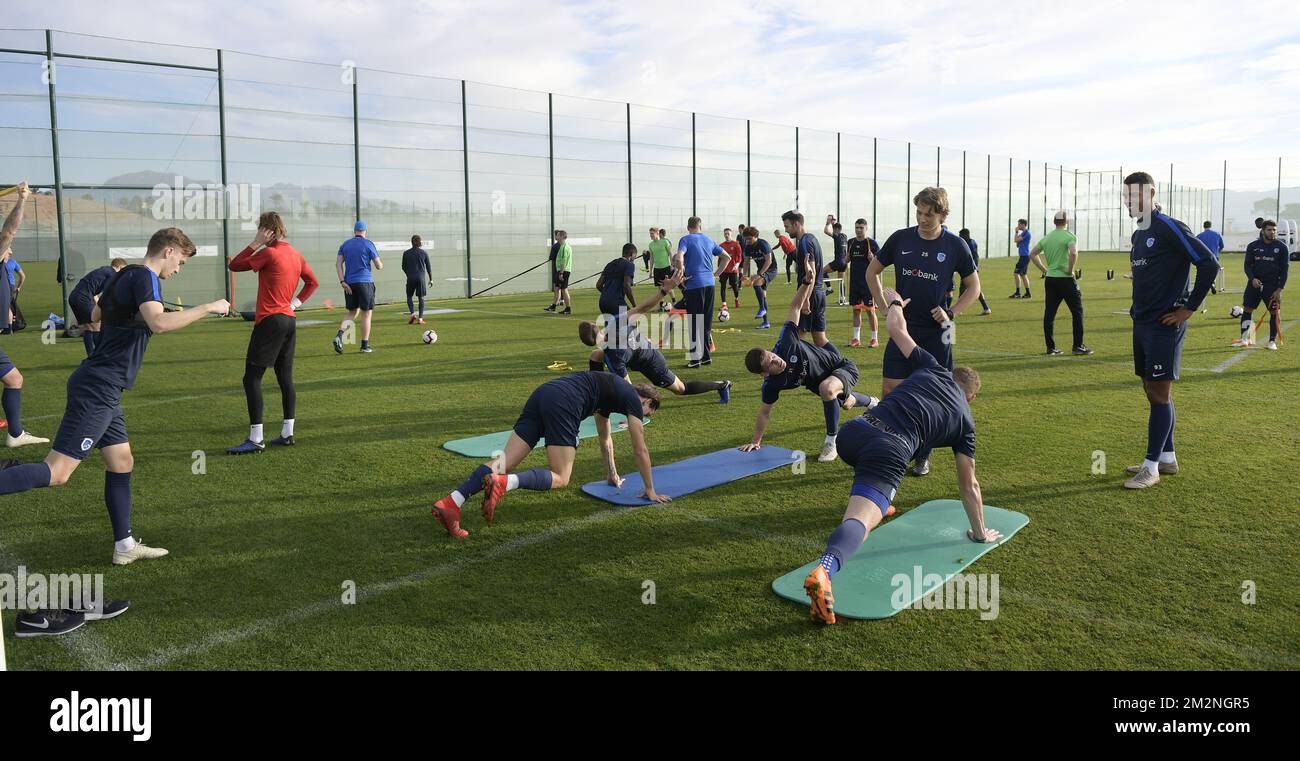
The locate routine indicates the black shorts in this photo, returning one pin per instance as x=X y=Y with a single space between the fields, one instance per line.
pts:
x=92 y=418
x=416 y=287
x=562 y=279
x=546 y=416
x=860 y=293
x=729 y=279
x=661 y=273
x=879 y=459
x=652 y=364
x=847 y=372
x=273 y=340
x=1157 y=350
x=6 y=364
x=362 y=296
x=895 y=365
x=816 y=319
x=1251 y=298
x=1022 y=266
x=82 y=308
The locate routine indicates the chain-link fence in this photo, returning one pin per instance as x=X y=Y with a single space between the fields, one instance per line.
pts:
x=125 y=137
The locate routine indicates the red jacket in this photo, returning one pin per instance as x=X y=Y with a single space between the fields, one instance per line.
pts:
x=279 y=267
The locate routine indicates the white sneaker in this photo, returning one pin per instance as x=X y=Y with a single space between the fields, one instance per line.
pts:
x=1272 y=345
x=1165 y=468
x=23 y=439
x=140 y=551
x=828 y=452
x=1142 y=480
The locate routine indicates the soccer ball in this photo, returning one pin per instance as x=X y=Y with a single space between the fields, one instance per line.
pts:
x=724 y=315
x=1236 y=311
x=429 y=337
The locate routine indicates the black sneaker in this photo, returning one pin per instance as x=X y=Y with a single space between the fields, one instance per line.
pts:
x=1015 y=295
x=567 y=310
x=1028 y=296
x=1054 y=352
x=1082 y=350
x=282 y=441
x=921 y=468
x=550 y=308
x=108 y=609
x=47 y=623
x=693 y=365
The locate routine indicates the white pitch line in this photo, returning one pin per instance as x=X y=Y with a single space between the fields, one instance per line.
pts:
x=169 y=655
x=1084 y=358
x=1235 y=358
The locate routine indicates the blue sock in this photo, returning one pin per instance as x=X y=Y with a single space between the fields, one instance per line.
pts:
x=1160 y=425
x=1169 y=440
x=832 y=411
x=117 y=496
x=12 y=400
x=861 y=400
x=474 y=484
x=537 y=479
x=34 y=475
x=843 y=544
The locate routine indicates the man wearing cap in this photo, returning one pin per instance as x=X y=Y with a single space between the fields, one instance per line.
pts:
x=1060 y=248
x=353 y=267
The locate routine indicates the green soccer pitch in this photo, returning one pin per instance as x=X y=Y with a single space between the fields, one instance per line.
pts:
x=263 y=547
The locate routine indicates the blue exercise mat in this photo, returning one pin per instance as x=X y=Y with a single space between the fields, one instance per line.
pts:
x=693 y=474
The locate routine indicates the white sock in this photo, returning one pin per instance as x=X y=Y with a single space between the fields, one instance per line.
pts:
x=857 y=333
x=873 y=335
x=1151 y=466
x=512 y=482
x=126 y=545
x=286 y=429
x=830 y=439
x=458 y=498
x=255 y=432
x=1168 y=457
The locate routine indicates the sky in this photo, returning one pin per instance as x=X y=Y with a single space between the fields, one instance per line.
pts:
x=1092 y=85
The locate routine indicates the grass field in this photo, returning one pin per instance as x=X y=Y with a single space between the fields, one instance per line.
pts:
x=1100 y=579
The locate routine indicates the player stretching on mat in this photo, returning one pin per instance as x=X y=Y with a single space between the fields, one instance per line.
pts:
x=924 y=259
x=279 y=267
x=555 y=410
x=621 y=348
x=132 y=311
x=12 y=395
x=793 y=363
x=1162 y=256
x=83 y=298
x=1267 y=263
x=930 y=408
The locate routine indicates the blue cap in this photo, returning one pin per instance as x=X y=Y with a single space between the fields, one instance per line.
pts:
x=359 y=226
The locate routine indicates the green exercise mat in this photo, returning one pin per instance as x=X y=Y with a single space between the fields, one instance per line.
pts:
x=490 y=443
x=931 y=537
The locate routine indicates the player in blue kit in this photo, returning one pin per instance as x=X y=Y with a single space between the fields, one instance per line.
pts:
x=924 y=260
x=1268 y=260
x=793 y=362
x=353 y=266
x=1163 y=254
x=695 y=256
x=555 y=410
x=930 y=408
x=1023 y=237
x=131 y=311
x=759 y=252
x=861 y=250
x=615 y=282
x=83 y=297
x=620 y=347
x=10 y=377
x=807 y=249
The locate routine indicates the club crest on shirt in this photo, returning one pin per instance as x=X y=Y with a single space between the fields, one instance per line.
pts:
x=1151 y=242
x=940 y=256
x=86 y=444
